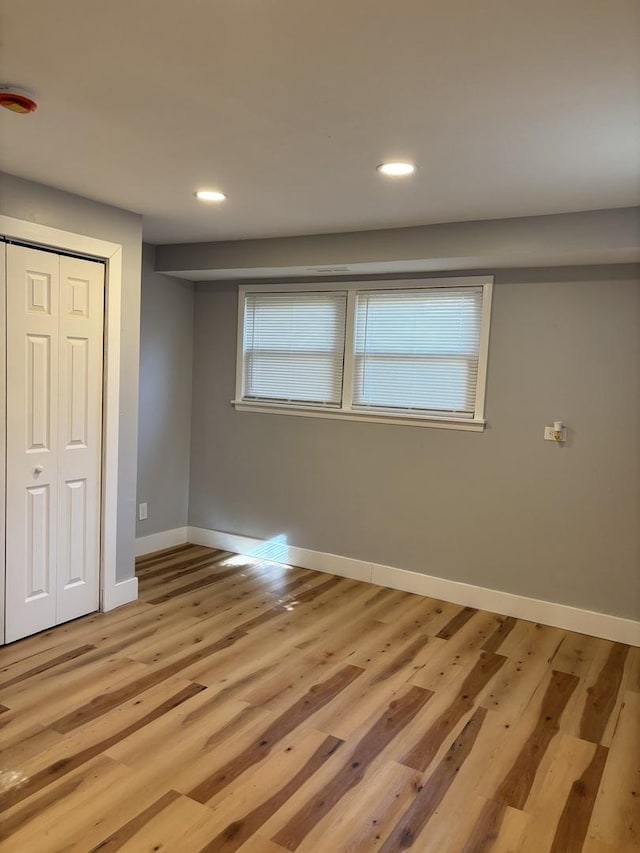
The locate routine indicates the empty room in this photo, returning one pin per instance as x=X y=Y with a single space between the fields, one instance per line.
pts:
x=320 y=406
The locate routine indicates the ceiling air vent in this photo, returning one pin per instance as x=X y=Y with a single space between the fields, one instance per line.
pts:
x=328 y=270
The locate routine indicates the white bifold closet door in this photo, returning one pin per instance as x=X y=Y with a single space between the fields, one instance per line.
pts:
x=54 y=313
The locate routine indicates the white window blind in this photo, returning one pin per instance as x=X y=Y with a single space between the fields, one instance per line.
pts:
x=293 y=347
x=418 y=350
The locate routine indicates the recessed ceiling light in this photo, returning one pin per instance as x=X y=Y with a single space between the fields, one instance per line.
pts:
x=396 y=169
x=210 y=195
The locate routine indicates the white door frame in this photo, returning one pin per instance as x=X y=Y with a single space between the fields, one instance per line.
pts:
x=112 y=593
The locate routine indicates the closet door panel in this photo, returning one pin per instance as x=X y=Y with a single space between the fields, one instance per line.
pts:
x=79 y=436
x=32 y=440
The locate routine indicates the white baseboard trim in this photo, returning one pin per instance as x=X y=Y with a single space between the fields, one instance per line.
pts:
x=552 y=613
x=159 y=541
x=120 y=593
x=124 y=592
x=278 y=551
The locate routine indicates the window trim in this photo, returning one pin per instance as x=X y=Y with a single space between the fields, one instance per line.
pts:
x=346 y=411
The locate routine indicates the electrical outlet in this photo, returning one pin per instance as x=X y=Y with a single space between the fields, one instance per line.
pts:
x=142 y=512
x=550 y=434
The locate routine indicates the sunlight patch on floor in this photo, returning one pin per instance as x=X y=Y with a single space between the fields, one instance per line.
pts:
x=272 y=553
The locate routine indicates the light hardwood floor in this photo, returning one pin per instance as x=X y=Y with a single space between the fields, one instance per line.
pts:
x=248 y=706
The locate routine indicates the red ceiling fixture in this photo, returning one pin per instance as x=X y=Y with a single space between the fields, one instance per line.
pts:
x=16 y=99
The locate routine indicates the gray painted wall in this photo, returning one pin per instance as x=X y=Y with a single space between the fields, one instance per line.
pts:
x=37 y=203
x=502 y=509
x=164 y=426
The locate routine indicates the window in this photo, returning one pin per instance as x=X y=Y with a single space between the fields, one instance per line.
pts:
x=409 y=352
x=418 y=350
x=293 y=347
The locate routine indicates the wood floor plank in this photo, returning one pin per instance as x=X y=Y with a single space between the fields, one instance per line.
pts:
x=581 y=655
x=244 y=705
x=208 y=579
x=495 y=828
x=332 y=634
x=139 y=714
x=554 y=794
x=237 y=594
x=532 y=639
x=515 y=787
x=182 y=747
x=11 y=675
x=36 y=702
x=431 y=793
x=230 y=586
x=374 y=647
x=453 y=626
x=447 y=668
x=258 y=844
x=117 y=839
x=46 y=820
x=309 y=623
x=603 y=695
x=18 y=749
x=169 y=563
x=281 y=689
x=349 y=713
x=79 y=631
x=505 y=627
x=171 y=582
x=217 y=614
x=632 y=670
x=163 y=827
x=366 y=814
x=591 y=845
x=576 y=815
x=235 y=833
x=518 y=680
x=105 y=702
x=425 y=750
x=61 y=767
x=381 y=733
x=616 y=813
x=277 y=620
x=175 y=551
x=317 y=696
x=169 y=570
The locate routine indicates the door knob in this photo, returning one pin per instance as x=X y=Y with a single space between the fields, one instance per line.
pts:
x=38 y=469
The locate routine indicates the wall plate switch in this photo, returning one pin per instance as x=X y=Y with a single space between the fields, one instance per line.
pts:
x=142 y=512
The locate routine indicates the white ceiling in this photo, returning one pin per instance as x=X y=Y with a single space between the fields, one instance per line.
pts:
x=509 y=108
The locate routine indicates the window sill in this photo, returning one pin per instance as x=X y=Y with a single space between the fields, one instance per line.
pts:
x=465 y=424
